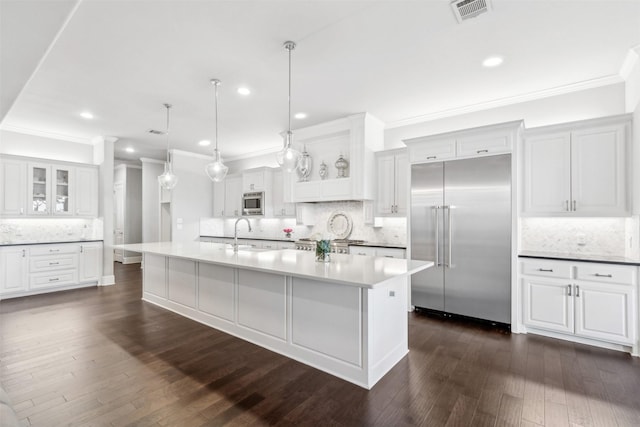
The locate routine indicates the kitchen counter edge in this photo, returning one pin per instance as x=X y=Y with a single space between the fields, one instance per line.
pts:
x=50 y=243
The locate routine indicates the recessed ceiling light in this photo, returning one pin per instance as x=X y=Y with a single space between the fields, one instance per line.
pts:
x=492 y=61
x=86 y=115
x=244 y=91
x=129 y=150
x=300 y=116
x=204 y=143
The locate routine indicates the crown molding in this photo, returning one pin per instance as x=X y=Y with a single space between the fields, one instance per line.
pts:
x=630 y=61
x=252 y=154
x=44 y=134
x=511 y=100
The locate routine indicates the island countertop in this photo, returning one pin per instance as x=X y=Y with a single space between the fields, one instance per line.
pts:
x=353 y=270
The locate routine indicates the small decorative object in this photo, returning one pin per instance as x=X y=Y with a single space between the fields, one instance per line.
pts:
x=323 y=171
x=342 y=165
x=287 y=231
x=304 y=166
x=323 y=249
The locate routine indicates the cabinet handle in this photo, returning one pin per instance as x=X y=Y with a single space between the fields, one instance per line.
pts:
x=566 y=205
x=569 y=290
x=54 y=263
x=388 y=256
x=24 y=253
x=577 y=290
x=574 y=205
x=482 y=151
x=546 y=270
x=54 y=250
x=603 y=275
x=431 y=157
x=54 y=280
x=81 y=248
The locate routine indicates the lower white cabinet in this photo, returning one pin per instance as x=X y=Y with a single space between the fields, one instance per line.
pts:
x=377 y=251
x=594 y=301
x=33 y=269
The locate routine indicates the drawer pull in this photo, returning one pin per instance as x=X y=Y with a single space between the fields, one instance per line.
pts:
x=577 y=290
x=54 y=263
x=54 y=250
x=546 y=270
x=569 y=290
x=482 y=151
x=54 y=280
x=603 y=275
x=431 y=157
x=388 y=256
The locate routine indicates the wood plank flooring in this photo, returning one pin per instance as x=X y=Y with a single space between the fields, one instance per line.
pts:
x=103 y=357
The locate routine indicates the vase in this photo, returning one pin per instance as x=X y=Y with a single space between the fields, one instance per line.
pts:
x=323 y=249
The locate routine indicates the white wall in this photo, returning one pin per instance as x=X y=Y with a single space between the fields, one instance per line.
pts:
x=151 y=169
x=192 y=198
x=45 y=148
x=587 y=104
x=262 y=160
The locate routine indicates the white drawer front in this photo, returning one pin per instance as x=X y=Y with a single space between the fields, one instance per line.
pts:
x=54 y=262
x=607 y=273
x=432 y=151
x=483 y=146
x=546 y=268
x=52 y=279
x=362 y=250
x=390 y=252
x=53 y=249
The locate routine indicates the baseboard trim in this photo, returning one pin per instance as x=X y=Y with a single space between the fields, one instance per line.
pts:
x=107 y=280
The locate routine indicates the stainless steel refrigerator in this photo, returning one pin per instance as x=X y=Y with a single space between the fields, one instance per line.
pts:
x=461 y=220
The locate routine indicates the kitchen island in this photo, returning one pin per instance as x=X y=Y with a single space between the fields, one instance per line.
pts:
x=347 y=317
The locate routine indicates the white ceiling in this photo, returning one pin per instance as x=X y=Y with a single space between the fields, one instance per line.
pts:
x=399 y=60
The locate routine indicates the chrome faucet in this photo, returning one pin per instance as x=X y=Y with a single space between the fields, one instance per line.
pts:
x=235 y=232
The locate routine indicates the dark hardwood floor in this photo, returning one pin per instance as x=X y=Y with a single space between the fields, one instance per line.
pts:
x=102 y=357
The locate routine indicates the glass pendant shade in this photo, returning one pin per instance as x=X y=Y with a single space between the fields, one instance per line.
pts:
x=168 y=180
x=216 y=170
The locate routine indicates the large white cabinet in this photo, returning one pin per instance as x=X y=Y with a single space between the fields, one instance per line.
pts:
x=592 y=301
x=392 y=193
x=36 y=187
x=577 y=169
x=33 y=269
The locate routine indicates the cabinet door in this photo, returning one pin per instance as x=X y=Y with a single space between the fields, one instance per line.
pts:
x=90 y=262
x=14 y=269
x=605 y=311
x=253 y=181
x=598 y=172
x=233 y=197
x=385 y=198
x=39 y=189
x=86 y=192
x=402 y=172
x=218 y=198
x=13 y=187
x=432 y=151
x=62 y=190
x=547 y=174
x=547 y=304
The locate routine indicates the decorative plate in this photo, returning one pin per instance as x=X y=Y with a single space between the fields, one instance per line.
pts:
x=340 y=225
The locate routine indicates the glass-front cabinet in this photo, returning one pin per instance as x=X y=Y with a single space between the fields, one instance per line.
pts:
x=49 y=189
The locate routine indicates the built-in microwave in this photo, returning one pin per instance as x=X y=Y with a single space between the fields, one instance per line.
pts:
x=253 y=203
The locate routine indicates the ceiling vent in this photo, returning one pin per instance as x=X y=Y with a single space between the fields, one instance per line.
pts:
x=156 y=132
x=467 y=9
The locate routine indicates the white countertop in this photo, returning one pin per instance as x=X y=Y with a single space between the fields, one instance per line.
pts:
x=353 y=270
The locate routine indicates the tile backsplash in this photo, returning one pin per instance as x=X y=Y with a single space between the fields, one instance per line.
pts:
x=392 y=230
x=44 y=230
x=588 y=236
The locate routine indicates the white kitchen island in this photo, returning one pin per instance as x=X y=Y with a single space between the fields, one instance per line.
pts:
x=347 y=317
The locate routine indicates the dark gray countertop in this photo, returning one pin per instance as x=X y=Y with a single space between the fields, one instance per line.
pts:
x=49 y=243
x=580 y=257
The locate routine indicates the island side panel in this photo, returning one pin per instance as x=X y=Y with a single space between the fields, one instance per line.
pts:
x=327 y=318
x=262 y=302
x=155 y=275
x=216 y=291
x=181 y=281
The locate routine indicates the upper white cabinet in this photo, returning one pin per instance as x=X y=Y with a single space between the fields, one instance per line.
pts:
x=356 y=138
x=233 y=196
x=219 y=198
x=256 y=180
x=280 y=207
x=476 y=142
x=393 y=183
x=577 y=169
x=34 y=187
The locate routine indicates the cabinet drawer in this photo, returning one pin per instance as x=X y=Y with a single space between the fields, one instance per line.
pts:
x=546 y=269
x=362 y=250
x=482 y=146
x=432 y=151
x=606 y=273
x=54 y=262
x=390 y=252
x=53 y=249
x=52 y=279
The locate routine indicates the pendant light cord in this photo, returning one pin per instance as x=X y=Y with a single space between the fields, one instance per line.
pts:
x=290 y=48
x=216 y=84
x=168 y=106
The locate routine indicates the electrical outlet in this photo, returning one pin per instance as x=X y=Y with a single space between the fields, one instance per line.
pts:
x=581 y=239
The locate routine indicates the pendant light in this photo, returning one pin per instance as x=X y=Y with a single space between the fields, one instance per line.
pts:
x=289 y=158
x=168 y=180
x=216 y=170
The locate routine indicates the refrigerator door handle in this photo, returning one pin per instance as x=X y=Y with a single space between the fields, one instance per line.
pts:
x=437 y=229
x=449 y=263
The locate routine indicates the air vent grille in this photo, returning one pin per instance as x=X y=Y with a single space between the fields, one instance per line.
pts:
x=467 y=9
x=156 y=132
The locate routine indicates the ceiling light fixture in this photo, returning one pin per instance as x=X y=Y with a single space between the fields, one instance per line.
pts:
x=288 y=158
x=300 y=116
x=492 y=61
x=204 y=143
x=129 y=150
x=216 y=170
x=86 y=115
x=244 y=91
x=168 y=180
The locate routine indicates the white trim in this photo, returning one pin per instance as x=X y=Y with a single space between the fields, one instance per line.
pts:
x=47 y=134
x=126 y=165
x=107 y=280
x=189 y=154
x=511 y=100
x=148 y=160
x=580 y=340
x=253 y=154
x=630 y=61
x=132 y=259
